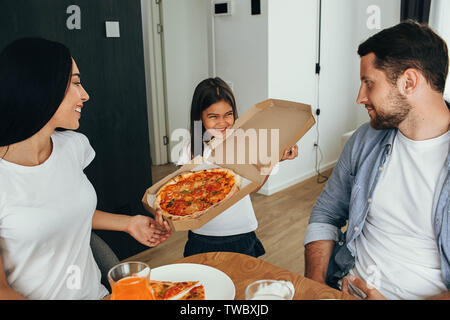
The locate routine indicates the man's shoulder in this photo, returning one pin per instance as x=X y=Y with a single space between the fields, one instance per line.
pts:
x=366 y=131
x=367 y=137
x=364 y=144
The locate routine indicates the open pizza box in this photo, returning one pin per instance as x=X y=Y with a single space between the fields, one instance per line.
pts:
x=251 y=150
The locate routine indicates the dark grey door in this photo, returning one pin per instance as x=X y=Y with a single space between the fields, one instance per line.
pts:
x=115 y=118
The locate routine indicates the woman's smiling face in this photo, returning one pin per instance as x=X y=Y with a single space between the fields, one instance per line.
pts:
x=69 y=112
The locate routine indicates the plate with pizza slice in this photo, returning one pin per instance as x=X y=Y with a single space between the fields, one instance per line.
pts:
x=191 y=281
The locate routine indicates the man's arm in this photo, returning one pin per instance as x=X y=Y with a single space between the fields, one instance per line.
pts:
x=317 y=257
x=442 y=296
x=330 y=213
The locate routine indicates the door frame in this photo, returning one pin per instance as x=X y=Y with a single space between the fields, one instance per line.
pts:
x=153 y=41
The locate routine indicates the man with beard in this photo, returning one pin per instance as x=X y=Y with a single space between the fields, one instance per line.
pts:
x=391 y=183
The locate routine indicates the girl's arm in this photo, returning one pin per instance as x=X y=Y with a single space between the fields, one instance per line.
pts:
x=288 y=154
x=267 y=177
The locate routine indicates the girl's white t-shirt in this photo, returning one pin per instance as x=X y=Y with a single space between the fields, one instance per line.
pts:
x=238 y=219
x=45 y=224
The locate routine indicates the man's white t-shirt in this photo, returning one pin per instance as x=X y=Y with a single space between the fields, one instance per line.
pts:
x=397 y=251
x=45 y=224
x=238 y=219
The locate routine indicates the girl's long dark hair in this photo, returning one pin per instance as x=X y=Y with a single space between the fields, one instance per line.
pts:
x=34 y=74
x=208 y=92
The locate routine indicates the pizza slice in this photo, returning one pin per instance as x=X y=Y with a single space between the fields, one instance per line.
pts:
x=196 y=293
x=166 y=290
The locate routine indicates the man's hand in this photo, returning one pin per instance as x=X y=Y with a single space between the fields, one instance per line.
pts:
x=370 y=292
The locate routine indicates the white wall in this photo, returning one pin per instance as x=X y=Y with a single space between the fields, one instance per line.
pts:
x=339 y=77
x=292 y=42
x=241 y=56
x=440 y=22
x=186 y=56
x=273 y=55
x=389 y=16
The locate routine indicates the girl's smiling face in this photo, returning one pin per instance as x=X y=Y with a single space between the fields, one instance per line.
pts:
x=217 y=118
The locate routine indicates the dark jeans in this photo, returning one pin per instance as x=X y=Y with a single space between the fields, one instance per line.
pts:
x=246 y=243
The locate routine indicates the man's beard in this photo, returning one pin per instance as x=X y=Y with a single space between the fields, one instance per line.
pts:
x=400 y=110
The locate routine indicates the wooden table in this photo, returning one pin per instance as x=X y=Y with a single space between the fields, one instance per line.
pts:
x=243 y=270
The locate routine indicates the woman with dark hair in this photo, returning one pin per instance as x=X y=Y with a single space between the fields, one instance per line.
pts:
x=47 y=204
x=213 y=109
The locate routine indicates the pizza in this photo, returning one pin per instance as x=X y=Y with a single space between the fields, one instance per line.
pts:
x=167 y=290
x=197 y=293
x=190 y=194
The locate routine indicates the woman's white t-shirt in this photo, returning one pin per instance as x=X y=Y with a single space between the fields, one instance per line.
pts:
x=45 y=224
x=237 y=219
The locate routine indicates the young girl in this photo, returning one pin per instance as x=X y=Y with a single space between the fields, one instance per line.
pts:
x=233 y=230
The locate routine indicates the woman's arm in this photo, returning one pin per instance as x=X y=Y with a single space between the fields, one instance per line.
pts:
x=109 y=221
x=144 y=229
x=6 y=292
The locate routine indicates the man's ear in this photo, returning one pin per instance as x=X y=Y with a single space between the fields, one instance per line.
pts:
x=409 y=81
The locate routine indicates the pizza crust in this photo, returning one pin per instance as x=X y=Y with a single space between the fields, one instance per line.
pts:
x=184 y=175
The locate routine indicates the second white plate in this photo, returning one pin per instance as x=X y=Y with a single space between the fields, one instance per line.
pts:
x=218 y=286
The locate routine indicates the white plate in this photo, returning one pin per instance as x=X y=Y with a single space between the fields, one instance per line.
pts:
x=218 y=286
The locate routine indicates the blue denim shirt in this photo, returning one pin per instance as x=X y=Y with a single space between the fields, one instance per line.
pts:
x=348 y=196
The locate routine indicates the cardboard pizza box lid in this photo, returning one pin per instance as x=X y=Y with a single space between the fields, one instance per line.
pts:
x=289 y=120
x=266 y=130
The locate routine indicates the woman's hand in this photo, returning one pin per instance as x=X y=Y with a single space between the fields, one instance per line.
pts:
x=147 y=231
x=290 y=153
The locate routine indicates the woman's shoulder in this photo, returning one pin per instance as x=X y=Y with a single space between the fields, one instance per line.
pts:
x=69 y=135
x=78 y=143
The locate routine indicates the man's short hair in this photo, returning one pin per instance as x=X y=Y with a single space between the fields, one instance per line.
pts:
x=409 y=45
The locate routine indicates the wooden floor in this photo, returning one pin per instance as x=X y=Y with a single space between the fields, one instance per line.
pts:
x=282 y=219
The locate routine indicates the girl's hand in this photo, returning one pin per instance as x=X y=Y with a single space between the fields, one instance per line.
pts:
x=147 y=231
x=290 y=153
x=161 y=223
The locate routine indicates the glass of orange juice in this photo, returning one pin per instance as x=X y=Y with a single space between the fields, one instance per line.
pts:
x=130 y=281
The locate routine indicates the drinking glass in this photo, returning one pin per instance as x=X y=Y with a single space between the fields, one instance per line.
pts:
x=130 y=281
x=269 y=290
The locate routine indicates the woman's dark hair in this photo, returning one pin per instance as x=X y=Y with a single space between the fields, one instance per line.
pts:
x=208 y=92
x=409 y=45
x=34 y=75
